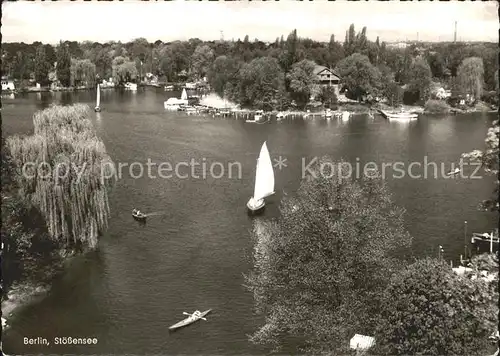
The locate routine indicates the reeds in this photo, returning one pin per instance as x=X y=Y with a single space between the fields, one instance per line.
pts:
x=65 y=180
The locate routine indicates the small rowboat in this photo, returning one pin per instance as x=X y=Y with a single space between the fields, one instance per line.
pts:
x=453 y=172
x=197 y=315
x=139 y=217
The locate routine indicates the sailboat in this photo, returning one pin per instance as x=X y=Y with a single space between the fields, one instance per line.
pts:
x=98 y=100
x=264 y=181
x=184 y=95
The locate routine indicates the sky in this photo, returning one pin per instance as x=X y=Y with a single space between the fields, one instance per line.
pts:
x=50 y=22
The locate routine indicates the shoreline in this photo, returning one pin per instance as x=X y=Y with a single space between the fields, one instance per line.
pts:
x=356 y=110
x=24 y=292
x=352 y=107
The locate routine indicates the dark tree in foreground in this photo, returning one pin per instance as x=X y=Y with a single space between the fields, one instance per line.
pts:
x=430 y=310
x=320 y=270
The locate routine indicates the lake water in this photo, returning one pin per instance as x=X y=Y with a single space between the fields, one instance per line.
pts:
x=193 y=254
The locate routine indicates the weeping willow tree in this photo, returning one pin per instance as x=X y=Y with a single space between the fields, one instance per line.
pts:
x=62 y=169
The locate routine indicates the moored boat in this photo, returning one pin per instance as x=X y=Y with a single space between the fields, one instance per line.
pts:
x=399 y=115
x=485 y=238
x=258 y=117
x=197 y=315
x=131 y=86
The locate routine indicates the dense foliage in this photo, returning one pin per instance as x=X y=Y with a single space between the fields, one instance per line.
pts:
x=368 y=69
x=489 y=159
x=430 y=310
x=28 y=252
x=320 y=269
x=61 y=170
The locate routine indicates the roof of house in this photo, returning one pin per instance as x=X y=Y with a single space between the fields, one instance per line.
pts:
x=318 y=69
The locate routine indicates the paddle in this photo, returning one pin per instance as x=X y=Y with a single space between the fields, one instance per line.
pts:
x=192 y=315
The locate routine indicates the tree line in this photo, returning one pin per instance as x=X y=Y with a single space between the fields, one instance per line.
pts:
x=268 y=75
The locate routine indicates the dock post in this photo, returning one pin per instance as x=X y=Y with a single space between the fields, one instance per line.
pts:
x=465 y=239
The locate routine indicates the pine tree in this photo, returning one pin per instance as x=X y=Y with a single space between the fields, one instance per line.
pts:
x=42 y=66
x=63 y=65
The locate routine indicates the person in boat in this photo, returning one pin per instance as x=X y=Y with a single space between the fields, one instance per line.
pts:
x=254 y=202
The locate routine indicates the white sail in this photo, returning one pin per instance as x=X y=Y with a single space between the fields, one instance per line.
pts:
x=264 y=175
x=98 y=101
x=184 y=95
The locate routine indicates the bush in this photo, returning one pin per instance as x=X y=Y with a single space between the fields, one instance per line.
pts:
x=430 y=310
x=437 y=106
x=411 y=97
x=490 y=97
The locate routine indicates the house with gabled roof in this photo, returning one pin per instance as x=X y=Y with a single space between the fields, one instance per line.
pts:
x=326 y=77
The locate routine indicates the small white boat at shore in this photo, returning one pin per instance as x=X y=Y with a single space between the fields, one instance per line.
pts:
x=399 y=115
x=345 y=115
x=258 y=117
x=131 y=86
x=197 y=315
